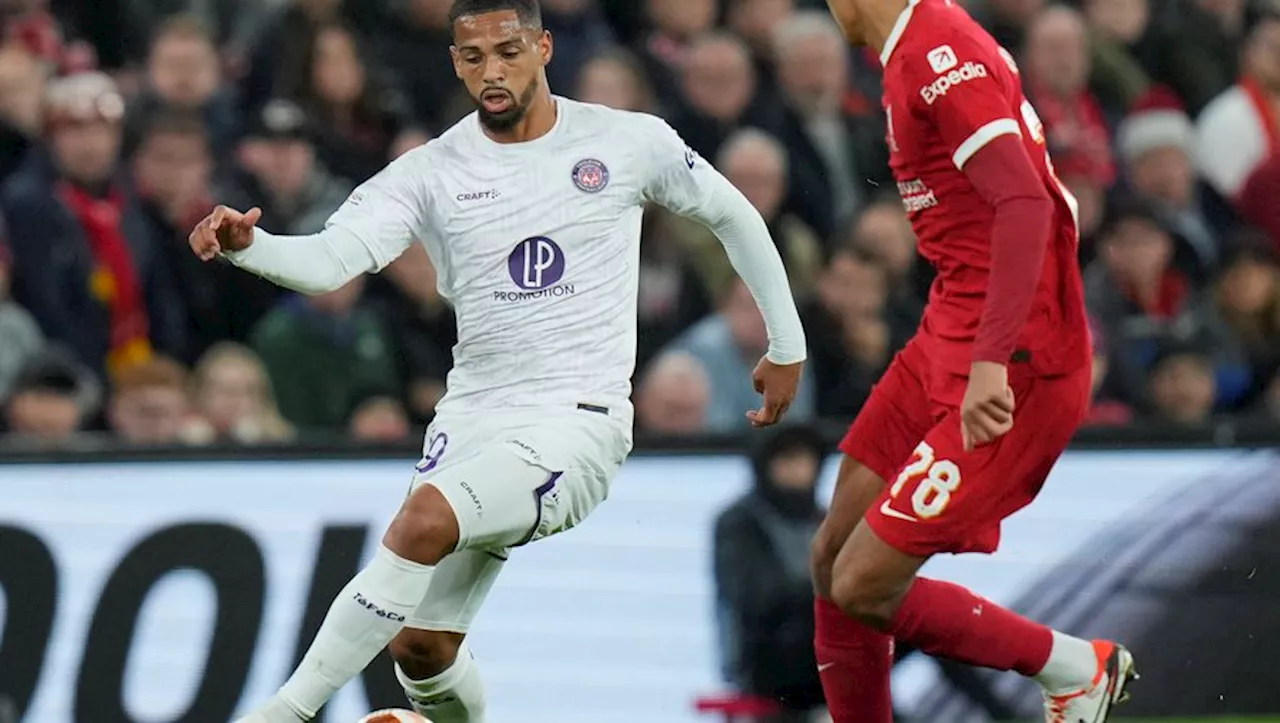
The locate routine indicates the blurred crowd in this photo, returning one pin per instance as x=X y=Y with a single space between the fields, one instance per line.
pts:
x=122 y=122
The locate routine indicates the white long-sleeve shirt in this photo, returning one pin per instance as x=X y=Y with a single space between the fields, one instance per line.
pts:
x=537 y=247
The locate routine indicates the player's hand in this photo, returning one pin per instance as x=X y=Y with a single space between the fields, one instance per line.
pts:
x=226 y=229
x=987 y=410
x=778 y=384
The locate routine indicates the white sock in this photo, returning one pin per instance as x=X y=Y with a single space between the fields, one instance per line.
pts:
x=454 y=696
x=365 y=616
x=1071 y=667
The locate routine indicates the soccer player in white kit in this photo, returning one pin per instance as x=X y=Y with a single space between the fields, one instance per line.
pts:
x=530 y=210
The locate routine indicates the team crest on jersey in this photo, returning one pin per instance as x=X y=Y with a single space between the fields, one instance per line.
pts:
x=590 y=176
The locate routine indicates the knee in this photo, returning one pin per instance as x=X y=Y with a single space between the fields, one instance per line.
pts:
x=424 y=654
x=425 y=529
x=859 y=595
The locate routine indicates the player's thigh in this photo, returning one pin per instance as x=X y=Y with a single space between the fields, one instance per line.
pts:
x=459 y=586
x=947 y=499
x=519 y=483
x=890 y=424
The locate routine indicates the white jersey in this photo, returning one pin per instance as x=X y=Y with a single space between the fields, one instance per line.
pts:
x=537 y=248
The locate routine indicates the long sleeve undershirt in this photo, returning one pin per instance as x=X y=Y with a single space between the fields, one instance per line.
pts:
x=326 y=261
x=314 y=264
x=755 y=258
x=1004 y=175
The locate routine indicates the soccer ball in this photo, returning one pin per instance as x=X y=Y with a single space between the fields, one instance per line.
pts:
x=393 y=715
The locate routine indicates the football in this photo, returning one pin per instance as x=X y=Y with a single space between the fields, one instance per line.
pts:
x=393 y=715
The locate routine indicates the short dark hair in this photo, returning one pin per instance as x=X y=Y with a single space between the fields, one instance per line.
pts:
x=528 y=11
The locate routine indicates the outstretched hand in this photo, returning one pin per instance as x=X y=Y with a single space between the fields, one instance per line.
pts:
x=778 y=384
x=226 y=229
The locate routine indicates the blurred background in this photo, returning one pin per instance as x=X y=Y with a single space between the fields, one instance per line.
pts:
x=144 y=394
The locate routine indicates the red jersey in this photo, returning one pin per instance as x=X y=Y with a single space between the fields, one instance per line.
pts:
x=949 y=89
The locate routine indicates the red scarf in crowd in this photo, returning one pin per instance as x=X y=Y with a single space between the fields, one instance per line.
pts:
x=1260 y=99
x=115 y=280
x=1170 y=297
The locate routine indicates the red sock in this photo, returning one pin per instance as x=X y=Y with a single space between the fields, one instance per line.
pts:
x=948 y=621
x=854 y=662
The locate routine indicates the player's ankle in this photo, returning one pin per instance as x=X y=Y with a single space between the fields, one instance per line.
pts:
x=1072 y=666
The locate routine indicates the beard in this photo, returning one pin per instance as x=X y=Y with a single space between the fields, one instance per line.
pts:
x=504 y=121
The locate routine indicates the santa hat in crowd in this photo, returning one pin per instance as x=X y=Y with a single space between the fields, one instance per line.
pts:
x=1157 y=120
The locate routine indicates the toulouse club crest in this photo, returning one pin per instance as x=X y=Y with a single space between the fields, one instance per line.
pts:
x=590 y=176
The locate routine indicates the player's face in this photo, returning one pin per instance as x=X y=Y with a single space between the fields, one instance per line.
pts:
x=502 y=61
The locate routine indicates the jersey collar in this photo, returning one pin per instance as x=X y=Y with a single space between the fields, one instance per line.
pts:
x=895 y=35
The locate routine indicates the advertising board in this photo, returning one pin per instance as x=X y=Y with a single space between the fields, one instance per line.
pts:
x=186 y=591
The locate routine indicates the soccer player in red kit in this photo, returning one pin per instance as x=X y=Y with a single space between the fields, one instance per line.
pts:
x=970 y=417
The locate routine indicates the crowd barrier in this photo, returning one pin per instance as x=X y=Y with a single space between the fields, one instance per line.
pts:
x=179 y=586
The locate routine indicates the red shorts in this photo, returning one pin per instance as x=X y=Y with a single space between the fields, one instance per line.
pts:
x=938 y=497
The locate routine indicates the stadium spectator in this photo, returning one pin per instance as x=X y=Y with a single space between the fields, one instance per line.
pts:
x=673 y=27
x=1248 y=296
x=282 y=175
x=615 y=78
x=756 y=163
x=1116 y=30
x=84 y=262
x=1145 y=303
x=764 y=593
x=1055 y=69
x=52 y=399
x=850 y=339
x=579 y=31
x=719 y=87
x=1007 y=20
x=283 y=43
x=379 y=420
x=1257 y=202
x=422 y=326
x=325 y=352
x=149 y=403
x=1269 y=409
x=184 y=73
x=673 y=395
x=356 y=114
x=1183 y=388
x=173 y=170
x=233 y=398
x=22 y=83
x=672 y=295
x=1103 y=412
x=835 y=144
x=422 y=31
x=1193 y=48
x=883 y=233
x=1156 y=143
x=22 y=337
x=755 y=22
x=729 y=343
x=1239 y=129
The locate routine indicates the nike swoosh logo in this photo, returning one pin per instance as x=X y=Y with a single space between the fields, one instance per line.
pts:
x=888 y=511
x=824 y=666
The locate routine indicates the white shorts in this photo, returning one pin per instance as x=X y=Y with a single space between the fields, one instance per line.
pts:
x=511 y=478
